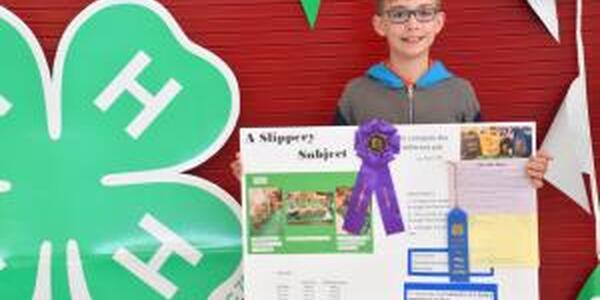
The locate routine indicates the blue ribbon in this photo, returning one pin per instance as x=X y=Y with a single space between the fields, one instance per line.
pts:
x=458 y=245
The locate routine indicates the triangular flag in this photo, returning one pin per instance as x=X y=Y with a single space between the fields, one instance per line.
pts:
x=569 y=140
x=311 y=9
x=546 y=11
x=591 y=289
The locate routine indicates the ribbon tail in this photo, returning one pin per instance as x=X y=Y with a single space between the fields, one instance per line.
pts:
x=359 y=203
x=388 y=203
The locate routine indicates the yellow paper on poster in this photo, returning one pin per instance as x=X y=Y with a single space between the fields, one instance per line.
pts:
x=503 y=240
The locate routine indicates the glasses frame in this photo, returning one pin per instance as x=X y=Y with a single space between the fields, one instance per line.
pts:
x=412 y=13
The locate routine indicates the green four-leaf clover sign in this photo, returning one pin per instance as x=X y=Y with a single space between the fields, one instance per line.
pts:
x=93 y=202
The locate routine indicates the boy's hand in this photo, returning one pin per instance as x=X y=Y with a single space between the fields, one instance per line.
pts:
x=537 y=167
x=236 y=167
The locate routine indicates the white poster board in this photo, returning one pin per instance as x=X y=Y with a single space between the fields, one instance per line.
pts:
x=297 y=184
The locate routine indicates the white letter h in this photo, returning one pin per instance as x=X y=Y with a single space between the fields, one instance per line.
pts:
x=170 y=243
x=126 y=80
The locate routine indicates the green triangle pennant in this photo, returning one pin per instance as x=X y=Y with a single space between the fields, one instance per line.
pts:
x=591 y=289
x=311 y=9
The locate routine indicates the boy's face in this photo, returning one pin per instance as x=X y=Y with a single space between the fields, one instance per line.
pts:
x=410 y=26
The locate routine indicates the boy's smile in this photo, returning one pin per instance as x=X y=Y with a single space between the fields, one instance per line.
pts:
x=413 y=40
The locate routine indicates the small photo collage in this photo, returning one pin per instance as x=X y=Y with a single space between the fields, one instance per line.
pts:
x=302 y=213
x=494 y=142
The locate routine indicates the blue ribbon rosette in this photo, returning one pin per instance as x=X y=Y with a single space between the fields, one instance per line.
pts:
x=376 y=143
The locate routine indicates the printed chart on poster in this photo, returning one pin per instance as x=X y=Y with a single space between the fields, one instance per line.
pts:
x=448 y=214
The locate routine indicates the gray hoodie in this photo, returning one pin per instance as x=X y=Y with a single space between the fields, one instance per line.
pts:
x=437 y=97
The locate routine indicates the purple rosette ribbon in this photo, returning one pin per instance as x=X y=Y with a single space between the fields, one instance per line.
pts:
x=376 y=143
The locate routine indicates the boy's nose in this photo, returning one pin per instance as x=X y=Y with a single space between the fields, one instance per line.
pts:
x=412 y=21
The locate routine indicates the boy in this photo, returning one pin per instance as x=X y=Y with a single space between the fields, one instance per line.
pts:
x=408 y=87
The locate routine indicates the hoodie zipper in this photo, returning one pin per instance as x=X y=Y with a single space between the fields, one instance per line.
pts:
x=410 y=90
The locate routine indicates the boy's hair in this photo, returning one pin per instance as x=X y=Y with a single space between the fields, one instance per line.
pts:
x=379 y=4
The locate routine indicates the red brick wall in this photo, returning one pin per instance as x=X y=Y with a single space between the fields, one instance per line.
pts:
x=290 y=75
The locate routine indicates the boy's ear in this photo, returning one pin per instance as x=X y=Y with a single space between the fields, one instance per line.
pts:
x=378 y=25
x=441 y=21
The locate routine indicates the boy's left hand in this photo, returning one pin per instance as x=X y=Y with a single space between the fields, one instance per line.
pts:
x=236 y=167
x=537 y=167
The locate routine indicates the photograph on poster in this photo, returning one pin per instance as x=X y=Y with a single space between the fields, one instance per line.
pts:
x=309 y=208
x=265 y=211
x=342 y=199
x=491 y=142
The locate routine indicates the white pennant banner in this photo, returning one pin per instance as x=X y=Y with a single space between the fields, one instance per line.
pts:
x=569 y=140
x=546 y=11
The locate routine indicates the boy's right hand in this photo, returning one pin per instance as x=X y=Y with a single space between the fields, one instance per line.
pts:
x=236 y=167
x=537 y=168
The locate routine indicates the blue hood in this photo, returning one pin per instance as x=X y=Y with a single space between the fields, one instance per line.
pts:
x=436 y=74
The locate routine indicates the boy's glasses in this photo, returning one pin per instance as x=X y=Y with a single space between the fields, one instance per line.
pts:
x=402 y=15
